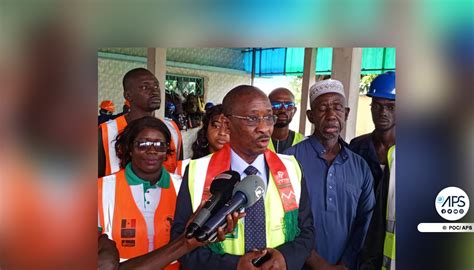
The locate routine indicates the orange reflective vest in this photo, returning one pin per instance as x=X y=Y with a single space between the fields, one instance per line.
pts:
x=112 y=128
x=121 y=219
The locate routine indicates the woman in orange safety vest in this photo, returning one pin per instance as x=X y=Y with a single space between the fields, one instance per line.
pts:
x=137 y=204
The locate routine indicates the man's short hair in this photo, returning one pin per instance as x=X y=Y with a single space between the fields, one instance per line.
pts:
x=242 y=90
x=282 y=89
x=130 y=76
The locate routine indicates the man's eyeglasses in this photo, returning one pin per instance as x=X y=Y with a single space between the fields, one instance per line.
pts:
x=253 y=120
x=146 y=146
x=279 y=105
x=379 y=107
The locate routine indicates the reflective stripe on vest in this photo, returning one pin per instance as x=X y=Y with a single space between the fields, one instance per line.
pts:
x=175 y=144
x=387 y=263
x=298 y=138
x=391 y=191
x=123 y=221
x=274 y=213
x=177 y=180
x=106 y=188
x=389 y=243
x=112 y=128
x=389 y=251
x=391 y=155
x=181 y=167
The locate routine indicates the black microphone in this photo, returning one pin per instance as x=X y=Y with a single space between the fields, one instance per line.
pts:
x=221 y=190
x=246 y=193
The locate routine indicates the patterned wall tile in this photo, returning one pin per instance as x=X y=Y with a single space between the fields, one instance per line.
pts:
x=128 y=51
x=217 y=57
x=110 y=77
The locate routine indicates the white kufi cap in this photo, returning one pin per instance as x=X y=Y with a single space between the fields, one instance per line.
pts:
x=325 y=87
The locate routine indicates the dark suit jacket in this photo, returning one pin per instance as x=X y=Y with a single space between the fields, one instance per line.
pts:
x=295 y=252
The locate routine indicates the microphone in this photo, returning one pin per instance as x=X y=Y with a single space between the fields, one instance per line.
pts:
x=221 y=190
x=246 y=193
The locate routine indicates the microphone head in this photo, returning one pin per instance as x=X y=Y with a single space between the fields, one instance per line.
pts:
x=224 y=182
x=253 y=187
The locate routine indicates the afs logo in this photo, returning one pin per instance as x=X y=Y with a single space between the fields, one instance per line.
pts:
x=452 y=203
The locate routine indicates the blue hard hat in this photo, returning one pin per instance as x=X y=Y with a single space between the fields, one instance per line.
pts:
x=208 y=105
x=170 y=106
x=383 y=86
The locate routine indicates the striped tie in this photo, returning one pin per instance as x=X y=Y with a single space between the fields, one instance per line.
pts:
x=255 y=221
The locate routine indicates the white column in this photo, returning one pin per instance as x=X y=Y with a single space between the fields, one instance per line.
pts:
x=346 y=66
x=157 y=65
x=309 y=78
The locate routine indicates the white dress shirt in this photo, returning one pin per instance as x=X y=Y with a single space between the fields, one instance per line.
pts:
x=239 y=165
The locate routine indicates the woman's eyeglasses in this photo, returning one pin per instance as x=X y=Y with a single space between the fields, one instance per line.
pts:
x=279 y=105
x=146 y=146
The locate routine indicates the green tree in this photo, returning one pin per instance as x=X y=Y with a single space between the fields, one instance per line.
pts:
x=295 y=87
x=365 y=83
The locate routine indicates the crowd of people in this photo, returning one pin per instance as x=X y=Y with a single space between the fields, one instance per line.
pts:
x=327 y=204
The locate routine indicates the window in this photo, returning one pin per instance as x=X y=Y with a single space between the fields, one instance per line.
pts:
x=184 y=85
x=184 y=100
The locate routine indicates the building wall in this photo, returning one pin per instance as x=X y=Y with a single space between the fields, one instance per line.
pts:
x=110 y=77
x=135 y=51
x=232 y=58
x=216 y=57
x=364 y=116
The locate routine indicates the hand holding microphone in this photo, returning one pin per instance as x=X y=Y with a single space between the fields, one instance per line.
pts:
x=231 y=223
x=245 y=194
x=221 y=189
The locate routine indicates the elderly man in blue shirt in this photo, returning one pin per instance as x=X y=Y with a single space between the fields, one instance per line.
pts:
x=339 y=182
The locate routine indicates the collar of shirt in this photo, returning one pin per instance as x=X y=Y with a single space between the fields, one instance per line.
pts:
x=319 y=148
x=239 y=165
x=133 y=179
